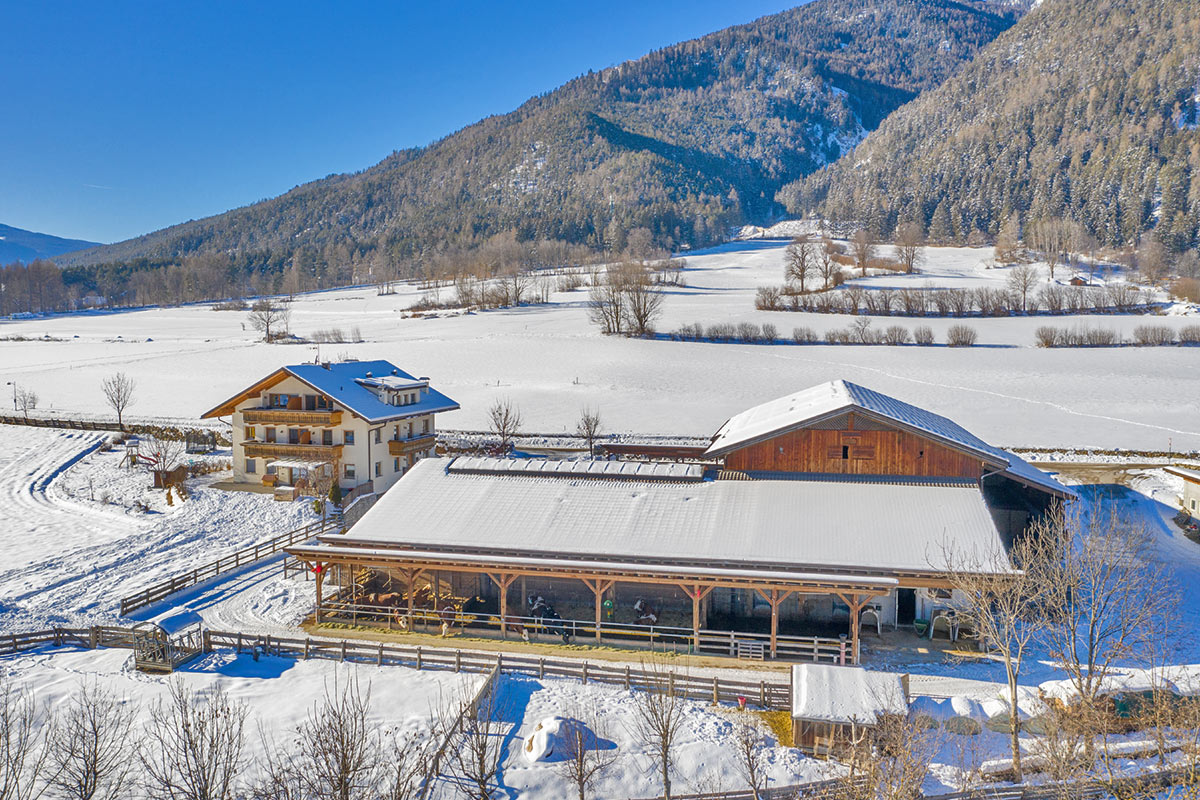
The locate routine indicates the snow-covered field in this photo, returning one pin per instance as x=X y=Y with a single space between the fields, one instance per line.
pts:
x=75 y=542
x=551 y=361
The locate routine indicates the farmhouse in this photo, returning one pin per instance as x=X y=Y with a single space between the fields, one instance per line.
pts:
x=1189 y=499
x=361 y=423
x=805 y=520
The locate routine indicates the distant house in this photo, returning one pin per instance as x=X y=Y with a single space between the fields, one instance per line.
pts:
x=362 y=423
x=806 y=518
x=1189 y=499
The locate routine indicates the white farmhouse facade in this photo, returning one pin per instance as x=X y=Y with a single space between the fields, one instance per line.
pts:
x=1189 y=498
x=361 y=423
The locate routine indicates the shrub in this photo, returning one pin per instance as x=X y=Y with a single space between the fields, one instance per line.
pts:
x=838 y=336
x=1046 y=336
x=961 y=336
x=1101 y=337
x=896 y=334
x=722 y=332
x=690 y=333
x=804 y=335
x=1186 y=289
x=1153 y=335
x=923 y=335
x=748 y=332
x=1189 y=334
x=770 y=333
x=237 y=304
x=767 y=298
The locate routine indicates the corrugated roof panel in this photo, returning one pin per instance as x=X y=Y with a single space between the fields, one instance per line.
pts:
x=627 y=470
x=794 y=523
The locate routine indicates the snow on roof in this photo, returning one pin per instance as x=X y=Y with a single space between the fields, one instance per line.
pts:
x=640 y=470
x=830 y=399
x=1187 y=474
x=812 y=525
x=341 y=381
x=829 y=693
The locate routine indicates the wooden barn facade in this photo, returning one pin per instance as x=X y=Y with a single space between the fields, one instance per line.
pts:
x=808 y=520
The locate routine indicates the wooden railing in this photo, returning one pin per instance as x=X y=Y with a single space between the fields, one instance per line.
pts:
x=184 y=580
x=798 y=648
x=401 y=447
x=322 y=452
x=91 y=638
x=291 y=416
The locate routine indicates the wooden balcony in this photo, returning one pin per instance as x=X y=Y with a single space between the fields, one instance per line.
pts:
x=402 y=447
x=287 y=416
x=301 y=452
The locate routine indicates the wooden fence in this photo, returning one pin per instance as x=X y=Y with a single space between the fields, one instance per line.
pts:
x=160 y=591
x=111 y=426
x=1088 y=789
x=469 y=711
x=767 y=694
x=91 y=638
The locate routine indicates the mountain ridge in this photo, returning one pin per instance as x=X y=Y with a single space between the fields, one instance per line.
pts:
x=18 y=244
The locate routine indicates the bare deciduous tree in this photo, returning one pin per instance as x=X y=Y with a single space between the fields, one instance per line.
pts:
x=827 y=268
x=751 y=758
x=1103 y=592
x=643 y=301
x=92 y=749
x=910 y=245
x=863 y=246
x=588 y=428
x=193 y=748
x=270 y=318
x=118 y=392
x=1003 y=608
x=586 y=754
x=1050 y=237
x=658 y=714
x=1021 y=283
x=504 y=420
x=606 y=304
x=162 y=455
x=27 y=400
x=1008 y=241
x=22 y=744
x=801 y=261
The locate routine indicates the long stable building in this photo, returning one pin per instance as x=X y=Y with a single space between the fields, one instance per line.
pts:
x=806 y=519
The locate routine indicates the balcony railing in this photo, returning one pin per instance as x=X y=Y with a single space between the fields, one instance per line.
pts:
x=289 y=416
x=303 y=452
x=402 y=447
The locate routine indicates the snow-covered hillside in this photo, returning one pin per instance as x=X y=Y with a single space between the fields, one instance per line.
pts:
x=551 y=361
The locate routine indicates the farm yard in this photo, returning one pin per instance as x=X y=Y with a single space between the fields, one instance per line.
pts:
x=81 y=529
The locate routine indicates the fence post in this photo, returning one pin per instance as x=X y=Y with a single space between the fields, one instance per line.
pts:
x=762 y=693
x=842 y=652
x=306 y=643
x=206 y=639
x=379 y=658
x=458 y=660
x=541 y=667
x=343 y=650
x=418 y=656
x=716 y=691
x=627 y=676
x=239 y=643
x=585 y=673
x=93 y=638
x=499 y=662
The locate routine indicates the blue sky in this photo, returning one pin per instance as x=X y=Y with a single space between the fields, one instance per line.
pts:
x=122 y=118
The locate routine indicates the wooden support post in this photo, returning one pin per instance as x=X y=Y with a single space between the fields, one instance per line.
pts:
x=774 y=597
x=598 y=587
x=856 y=603
x=696 y=592
x=503 y=580
x=410 y=582
x=320 y=571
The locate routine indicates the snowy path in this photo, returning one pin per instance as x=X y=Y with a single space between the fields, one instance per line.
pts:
x=69 y=558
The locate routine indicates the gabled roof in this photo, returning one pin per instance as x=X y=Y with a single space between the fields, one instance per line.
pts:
x=343 y=383
x=1190 y=475
x=831 y=693
x=807 y=407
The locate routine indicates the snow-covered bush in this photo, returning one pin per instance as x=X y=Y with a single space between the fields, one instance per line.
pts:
x=923 y=335
x=1189 y=334
x=748 y=332
x=896 y=334
x=767 y=298
x=1046 y=336
x=770 y=334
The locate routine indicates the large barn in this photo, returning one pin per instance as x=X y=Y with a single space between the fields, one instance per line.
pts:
x=807 y=519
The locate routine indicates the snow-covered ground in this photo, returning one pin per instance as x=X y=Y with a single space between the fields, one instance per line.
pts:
x=551 y=361
x=75 y=542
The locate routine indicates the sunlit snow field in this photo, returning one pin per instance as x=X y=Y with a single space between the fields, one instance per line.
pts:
x=551 y=360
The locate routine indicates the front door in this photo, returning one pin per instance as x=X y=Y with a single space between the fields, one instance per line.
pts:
x=906 y=606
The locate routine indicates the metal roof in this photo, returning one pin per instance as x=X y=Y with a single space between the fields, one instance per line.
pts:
x=340 y=381
x=830 y=693
x=639 y=470
x=778 y=525
x=802 y=409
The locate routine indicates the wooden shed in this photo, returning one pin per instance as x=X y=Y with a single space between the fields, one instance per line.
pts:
x=832 y=705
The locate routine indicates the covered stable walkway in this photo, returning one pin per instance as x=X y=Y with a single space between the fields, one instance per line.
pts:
x=410 y=590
